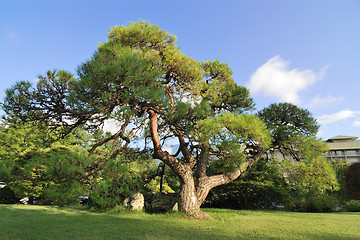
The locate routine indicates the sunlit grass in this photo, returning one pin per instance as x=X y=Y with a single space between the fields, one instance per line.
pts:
x=47 y=222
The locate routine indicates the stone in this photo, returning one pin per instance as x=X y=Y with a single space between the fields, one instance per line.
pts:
x=135 y=201
x=152 y=202
x=24 y=200
x=161 y=202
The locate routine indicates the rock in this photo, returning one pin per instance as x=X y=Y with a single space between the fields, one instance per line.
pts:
x=24 y=200
x=161 y=202
x=152 y=202
x=135 y=201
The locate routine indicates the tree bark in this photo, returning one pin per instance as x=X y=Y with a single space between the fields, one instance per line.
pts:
x=188 y=200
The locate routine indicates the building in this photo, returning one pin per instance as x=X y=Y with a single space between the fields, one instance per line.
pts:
x=343 y=148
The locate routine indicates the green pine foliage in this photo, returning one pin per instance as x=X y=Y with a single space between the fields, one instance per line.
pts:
x=118 y=177
x=59 y=172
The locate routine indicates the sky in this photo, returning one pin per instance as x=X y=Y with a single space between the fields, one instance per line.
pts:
x=301 y=51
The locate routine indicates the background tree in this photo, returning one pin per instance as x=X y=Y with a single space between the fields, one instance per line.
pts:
x=288 y=125
x=140 y=78
x=310 y=177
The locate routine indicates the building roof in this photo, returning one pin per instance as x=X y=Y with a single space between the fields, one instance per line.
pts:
x=341 y=137
x=343 y=145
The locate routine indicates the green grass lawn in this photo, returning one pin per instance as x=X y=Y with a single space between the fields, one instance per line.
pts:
x=48 y=222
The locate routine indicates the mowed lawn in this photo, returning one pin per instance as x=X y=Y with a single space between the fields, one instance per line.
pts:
x=48 y=222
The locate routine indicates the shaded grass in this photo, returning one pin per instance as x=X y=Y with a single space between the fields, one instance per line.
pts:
x=48 y=222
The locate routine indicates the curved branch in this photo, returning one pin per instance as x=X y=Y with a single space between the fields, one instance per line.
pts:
x=179 y=169
x=207 y=183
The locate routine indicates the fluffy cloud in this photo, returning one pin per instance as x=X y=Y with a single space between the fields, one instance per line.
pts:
x=112 y=126
x=321 y=101
x=342 y=115
x=275 y=79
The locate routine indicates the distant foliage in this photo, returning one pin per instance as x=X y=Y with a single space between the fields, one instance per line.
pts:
x=7 y=196
x=286 y=122
x=352 y=182
x=339 y=167
x=353 y=206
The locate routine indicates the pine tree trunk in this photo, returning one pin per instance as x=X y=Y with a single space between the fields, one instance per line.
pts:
x=188 y=202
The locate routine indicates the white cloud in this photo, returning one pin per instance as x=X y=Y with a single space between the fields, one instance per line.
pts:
x=342 y=115
x=275 y=79
x=13 y=38
x=356 y=124
x=111 y=125
x=321 y=101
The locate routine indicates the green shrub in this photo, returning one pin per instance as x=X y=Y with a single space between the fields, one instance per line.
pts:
x=352 y=206
x=107 y=194
x=314 y=202
x=117 y=178
x=339 y=167
x=263 y=187
x=7 y=196
x=352 y=182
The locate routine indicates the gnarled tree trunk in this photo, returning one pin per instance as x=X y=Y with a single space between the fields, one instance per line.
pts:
x=188 y=198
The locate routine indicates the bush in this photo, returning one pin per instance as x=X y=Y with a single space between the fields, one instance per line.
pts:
x=108 y=195
x=312 y=185
x=352 y=182
x=263 y=187
x=352 y=206
x=339 y=167
x=7 y=196
x=117 y=178
x=314 y=202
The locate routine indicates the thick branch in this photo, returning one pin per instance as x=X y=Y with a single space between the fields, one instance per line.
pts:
x=179 y=169
x=207 y=183
x=154 y=131
x=186 y=153
x=203 y=161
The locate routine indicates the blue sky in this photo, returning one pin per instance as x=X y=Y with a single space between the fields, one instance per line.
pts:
x=302 y=51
